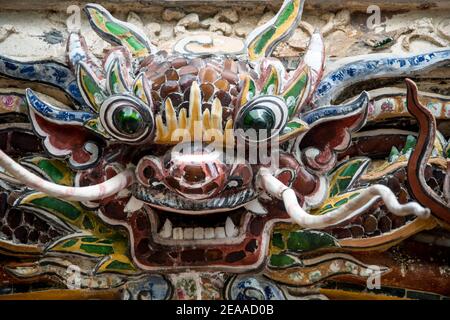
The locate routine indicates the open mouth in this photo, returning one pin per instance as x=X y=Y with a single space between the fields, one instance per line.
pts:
x=170 y=228
x=163 y=199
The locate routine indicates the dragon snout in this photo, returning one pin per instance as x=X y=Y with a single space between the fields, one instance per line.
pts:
x=196 y=177
x=193 y=171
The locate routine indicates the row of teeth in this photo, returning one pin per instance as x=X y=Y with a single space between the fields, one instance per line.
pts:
x=229 y=231
x=174 y=201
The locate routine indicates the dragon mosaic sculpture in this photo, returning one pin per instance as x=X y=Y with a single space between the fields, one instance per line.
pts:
x=136 y=172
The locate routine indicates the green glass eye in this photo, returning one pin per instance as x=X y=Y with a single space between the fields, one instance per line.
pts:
x=128 y=120
x=259 y=119
x=267 y=115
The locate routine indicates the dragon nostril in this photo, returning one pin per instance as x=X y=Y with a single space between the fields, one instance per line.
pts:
x=194 y=174
x=149 y=172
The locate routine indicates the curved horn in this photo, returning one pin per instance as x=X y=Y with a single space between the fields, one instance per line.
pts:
x=90 y=193
x=351 y=209
x=263 y=40
x=119 y=32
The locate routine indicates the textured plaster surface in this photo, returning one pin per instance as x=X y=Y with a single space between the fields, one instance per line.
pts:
x=30 y=35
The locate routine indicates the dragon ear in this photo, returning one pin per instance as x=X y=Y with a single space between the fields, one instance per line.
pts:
x=263 y=40
x=330 y=132
x=117 y=64
x=64 y=132
x=90 y=86
x=118 y=32
x=302 y=82
x=117 y=79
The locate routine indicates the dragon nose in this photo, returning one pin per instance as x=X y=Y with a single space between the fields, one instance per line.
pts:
x=196 y=177
x=194 y=174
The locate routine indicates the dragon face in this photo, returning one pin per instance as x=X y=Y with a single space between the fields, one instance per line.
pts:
x=192 y=130
x=190 y=153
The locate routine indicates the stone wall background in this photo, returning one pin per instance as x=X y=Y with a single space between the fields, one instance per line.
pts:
x=32 y=29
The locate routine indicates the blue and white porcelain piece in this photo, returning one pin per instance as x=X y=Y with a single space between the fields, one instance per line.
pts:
x=377 y=66
x=254 y=287
x=46 y=72
x=53 y=113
